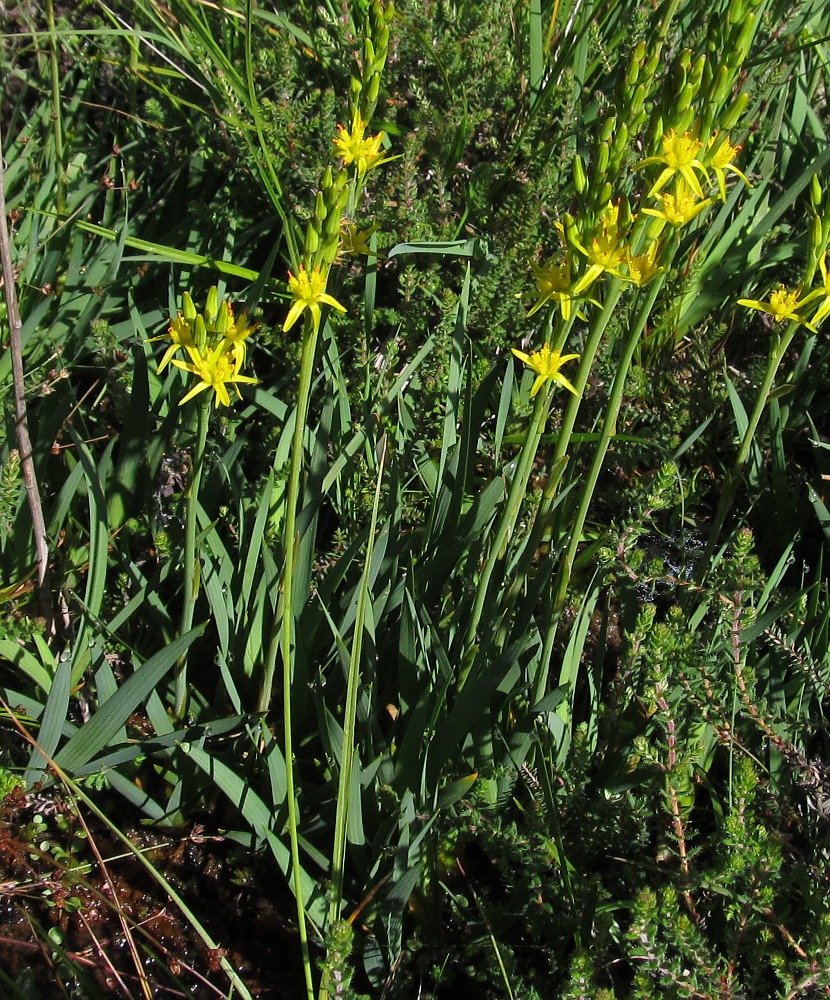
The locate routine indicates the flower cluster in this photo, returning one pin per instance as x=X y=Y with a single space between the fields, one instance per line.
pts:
x=214 y=344
x=605 y=245
x=331 y=237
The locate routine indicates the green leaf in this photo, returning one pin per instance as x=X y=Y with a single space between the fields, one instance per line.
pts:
x=95 y=736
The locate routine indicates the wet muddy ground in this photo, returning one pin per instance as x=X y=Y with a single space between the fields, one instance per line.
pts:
x=80 y=917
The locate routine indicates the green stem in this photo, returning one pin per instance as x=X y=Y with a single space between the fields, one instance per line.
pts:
x=609 y=429
x=282 y=635
x=57 y=121
x=192 y=567
x=350 y=715
x=733 y=479
x=586 y=363
x=518 y=489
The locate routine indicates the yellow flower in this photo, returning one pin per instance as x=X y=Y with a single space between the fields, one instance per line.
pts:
x=721 y=161
x=235 y=333
x=680 y=207
x=607 y=250
x=309 y=291
x=824 y=309
x=553 y=281
x=680 y=157
x=180 y=334
x=354 y=148
x=546 y=363
x=354 y=242
x=216 y=371
x=782 y=305
x=642 y=267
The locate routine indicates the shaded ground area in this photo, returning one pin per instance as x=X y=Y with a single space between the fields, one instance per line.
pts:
x=80 y=917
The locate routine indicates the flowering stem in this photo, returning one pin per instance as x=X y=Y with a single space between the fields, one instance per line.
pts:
x=282 y=635
x=347 y=755
x=609 y=428
x=586 y=361
x=192 y=568
x=735 y=475
x=518 y=489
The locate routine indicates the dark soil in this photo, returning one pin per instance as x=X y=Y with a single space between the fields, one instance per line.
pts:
x=72 y=926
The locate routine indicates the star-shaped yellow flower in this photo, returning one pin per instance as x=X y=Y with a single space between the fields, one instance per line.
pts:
x=783 y=305
x=823 y=310
x=679 y=157
x=721 y=161
x=546 y=363
x=216 y=371
x=553 y=282
x=235 y=333
x=679 y=208
x=180 y=334
x=354 y=148
x=643 y=267
x=606 y=252
x=309 y=291
x=354 y=242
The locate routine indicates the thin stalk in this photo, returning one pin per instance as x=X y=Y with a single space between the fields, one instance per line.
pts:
x=57 y=120
x=735 y=475
x=283 y=633
x=518 y=489
x=192 y=561
x=609 y=429
x=347 y=755
x=563 y=438
x=21 y=420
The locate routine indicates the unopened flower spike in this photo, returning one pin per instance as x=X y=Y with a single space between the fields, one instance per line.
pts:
x=309 y=292
x=546 y=363
x=783 y=305
x=679 y=157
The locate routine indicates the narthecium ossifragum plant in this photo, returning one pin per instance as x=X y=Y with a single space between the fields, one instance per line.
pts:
x=622 y=249
x=213 y=341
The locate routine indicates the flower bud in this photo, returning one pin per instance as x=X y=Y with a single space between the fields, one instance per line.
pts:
x=815 y=192
x=744 y=42
x=200 y=334
x=608 y=129
x=603 y=158
x=696 y=72
x=320 y=211
x=224 y=319
x=580 y=179
x=635 y=65
x=730 y=118
x=212 y=304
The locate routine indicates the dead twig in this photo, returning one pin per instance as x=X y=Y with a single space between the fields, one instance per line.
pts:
x=24 y=442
